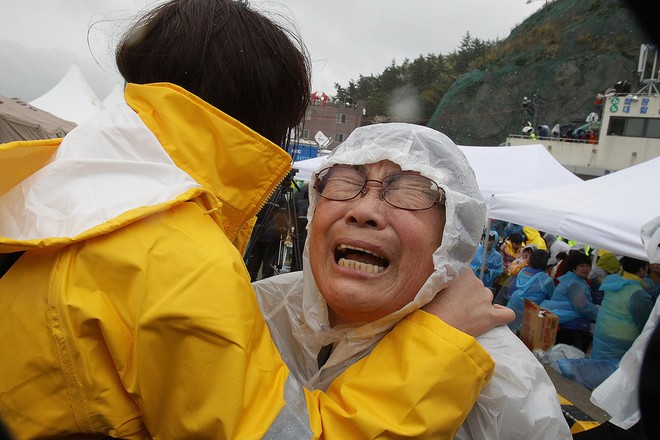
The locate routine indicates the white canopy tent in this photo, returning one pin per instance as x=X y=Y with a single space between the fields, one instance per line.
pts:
x=607 y=212
x=306 y=167
x=116 y=96
x=501 y=170
x=71 y=99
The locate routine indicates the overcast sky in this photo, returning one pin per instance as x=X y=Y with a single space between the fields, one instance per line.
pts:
x=40 y=40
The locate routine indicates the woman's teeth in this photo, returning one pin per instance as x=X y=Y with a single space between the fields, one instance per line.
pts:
x=365 y=267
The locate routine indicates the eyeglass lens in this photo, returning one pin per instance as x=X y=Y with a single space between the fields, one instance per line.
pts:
x=405 y=191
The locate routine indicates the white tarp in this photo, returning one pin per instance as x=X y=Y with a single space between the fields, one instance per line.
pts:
x=72 y=99
x=502 y=170
x=306 y=167
x=499 y=170
x=607 y=212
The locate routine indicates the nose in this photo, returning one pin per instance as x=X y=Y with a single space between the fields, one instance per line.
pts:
x=368 y=208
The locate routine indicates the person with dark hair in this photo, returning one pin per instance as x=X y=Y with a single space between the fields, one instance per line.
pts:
x=571 y=302
x=239 y=61
x=563 y=263
x=532 y=283
x=623 y=313
x=269 y=229
x=130 y=312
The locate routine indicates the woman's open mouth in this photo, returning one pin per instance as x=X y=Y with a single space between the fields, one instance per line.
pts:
x=360 y=259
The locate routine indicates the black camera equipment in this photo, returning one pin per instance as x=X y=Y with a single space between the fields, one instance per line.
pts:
x=279 y=213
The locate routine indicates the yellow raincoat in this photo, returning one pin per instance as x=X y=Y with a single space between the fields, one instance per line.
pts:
x=534 y=237
x=131 y=313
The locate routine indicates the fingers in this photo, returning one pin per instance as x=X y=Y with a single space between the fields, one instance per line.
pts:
x=503 y=315
x=467 y=305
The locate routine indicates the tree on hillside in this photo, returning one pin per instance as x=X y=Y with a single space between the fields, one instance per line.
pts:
x=426 y=77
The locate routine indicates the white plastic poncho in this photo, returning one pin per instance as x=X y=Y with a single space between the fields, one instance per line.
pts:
x=520 y=401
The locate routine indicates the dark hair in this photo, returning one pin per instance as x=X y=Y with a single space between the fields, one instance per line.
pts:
x=515 y=238
x=632 y=265
x=226 y=53
x=539 y=259
x=575 y=258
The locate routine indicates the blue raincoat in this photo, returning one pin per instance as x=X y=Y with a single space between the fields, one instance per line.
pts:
x=533 y=284
x=571 y=299
x=623 y=313
x=494 y=263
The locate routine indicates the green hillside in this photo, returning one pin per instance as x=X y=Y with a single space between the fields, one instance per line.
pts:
x=560 y=57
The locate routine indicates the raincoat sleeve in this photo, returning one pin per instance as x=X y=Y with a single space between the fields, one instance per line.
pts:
x=495 y=264
x=420 y=382
x=581 y=300
x=547 y=287
x=641 y=305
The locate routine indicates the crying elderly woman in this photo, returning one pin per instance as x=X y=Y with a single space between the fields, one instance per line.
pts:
x=394 y=218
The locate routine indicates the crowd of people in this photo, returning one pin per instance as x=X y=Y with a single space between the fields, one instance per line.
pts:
x=602 y=307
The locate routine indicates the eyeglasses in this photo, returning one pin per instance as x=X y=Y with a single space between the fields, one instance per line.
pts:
x=411 y=192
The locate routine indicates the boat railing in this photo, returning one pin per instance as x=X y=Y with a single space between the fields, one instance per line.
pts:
x=552 y=138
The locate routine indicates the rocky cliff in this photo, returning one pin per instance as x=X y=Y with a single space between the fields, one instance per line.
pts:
x=559 y=58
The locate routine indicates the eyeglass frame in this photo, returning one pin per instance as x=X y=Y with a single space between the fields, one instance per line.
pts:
x=440 y=199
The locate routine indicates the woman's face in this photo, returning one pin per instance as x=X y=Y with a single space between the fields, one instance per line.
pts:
x=386 y=251
x=582 y=270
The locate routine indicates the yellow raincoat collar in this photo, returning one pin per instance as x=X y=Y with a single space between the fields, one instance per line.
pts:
x=232 y=162
x=222 y=164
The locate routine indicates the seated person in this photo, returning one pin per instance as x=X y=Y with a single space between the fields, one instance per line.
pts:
x=562 y=265
x=395 y=216
x=552 y=270
x=555 y=246
x=509 y=250
x=493 y=267
x=533 y=283
x=522 y=260
x=652 y=281
x=606 y=264
x=626 y=307
x=571 y=302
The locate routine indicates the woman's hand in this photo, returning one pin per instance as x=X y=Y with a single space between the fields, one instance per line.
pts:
x=468 y=306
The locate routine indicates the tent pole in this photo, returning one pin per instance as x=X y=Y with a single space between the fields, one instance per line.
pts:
x=484 y=245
